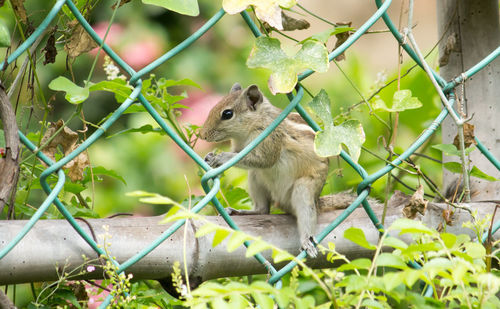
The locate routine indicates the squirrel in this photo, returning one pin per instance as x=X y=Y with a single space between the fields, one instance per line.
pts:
x=283 y=169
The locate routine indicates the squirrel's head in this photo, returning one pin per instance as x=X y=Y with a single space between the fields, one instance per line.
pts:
x=234 y=115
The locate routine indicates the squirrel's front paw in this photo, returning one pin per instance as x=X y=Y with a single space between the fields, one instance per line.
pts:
x=209 y=158
x=217 y=160
x=308 y=245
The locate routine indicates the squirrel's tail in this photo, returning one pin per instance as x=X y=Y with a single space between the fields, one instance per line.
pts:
x=340 y=200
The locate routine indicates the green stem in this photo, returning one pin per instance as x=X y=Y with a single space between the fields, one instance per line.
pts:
x=103 y=40
x=318 y=17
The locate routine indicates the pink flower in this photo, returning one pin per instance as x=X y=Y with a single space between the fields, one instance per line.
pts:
x=137 y=52
x=90 y=268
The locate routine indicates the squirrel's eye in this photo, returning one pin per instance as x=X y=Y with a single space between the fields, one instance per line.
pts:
x=227 y=114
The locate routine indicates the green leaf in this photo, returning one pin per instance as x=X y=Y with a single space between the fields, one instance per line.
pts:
x=206 y=229
x=350 y=133
x=4 y=35
x=220 y=235
x=456 y=167
x=264 y=301
x=410 y=226
x=74 y=94
x=361 y=263
x=401 y=101
x=165 y=83
x=266 y=10
x=448 y=239
x=256 y=247
x=357 y=236
x=410 y=276
x=324 y=36
x=453 y=167
x=267 y=53
x=139 y=193
x=480 y=174
x=475 y=250
x=372 y=304
x=237 y=239
x=390 y=260
x=99 y=170
x=392 y=280
x=395 y=243
x=117 y=86
x=238 y=198
x=147 y=128
x=158 y=200
x=451 y=150
x=185 y=7
x=280 y=256
x=74 y=188
x=329 y=141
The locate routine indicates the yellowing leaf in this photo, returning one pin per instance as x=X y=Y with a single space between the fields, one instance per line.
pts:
x=266 y=10
x=267 y=53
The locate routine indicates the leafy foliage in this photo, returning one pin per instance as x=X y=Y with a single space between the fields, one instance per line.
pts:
x=329 y=141
x=267 y=53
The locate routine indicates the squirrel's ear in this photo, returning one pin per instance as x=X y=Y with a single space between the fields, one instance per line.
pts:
x=253 y=97
x=236 y=87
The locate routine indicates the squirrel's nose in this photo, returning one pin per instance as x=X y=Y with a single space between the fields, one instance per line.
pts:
x=203 y=134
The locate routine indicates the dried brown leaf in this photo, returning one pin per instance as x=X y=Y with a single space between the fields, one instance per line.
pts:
x=20 y=11
x=468 y=136
x=289 y=23
x=341 y=38
x=416 y=204
x=50 y=49
x=80 y=41
x=67 y=139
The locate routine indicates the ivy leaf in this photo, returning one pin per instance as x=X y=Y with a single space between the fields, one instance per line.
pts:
x=329 y=141
x=357 y=236
x=266 y=10
x=117 y=86
x=4 y=35
x=74 y=94
x=324 y=36
x=401 y=101
x=267 y=53
x=185 y=7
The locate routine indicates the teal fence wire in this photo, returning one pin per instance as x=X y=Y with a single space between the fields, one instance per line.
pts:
x=212 y=187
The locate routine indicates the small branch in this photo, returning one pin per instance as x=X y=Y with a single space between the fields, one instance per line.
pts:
x=9 y=166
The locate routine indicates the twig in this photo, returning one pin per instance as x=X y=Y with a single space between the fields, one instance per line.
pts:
x=9 y=166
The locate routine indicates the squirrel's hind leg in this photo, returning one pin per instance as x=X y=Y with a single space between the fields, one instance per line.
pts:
x=304 y=209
